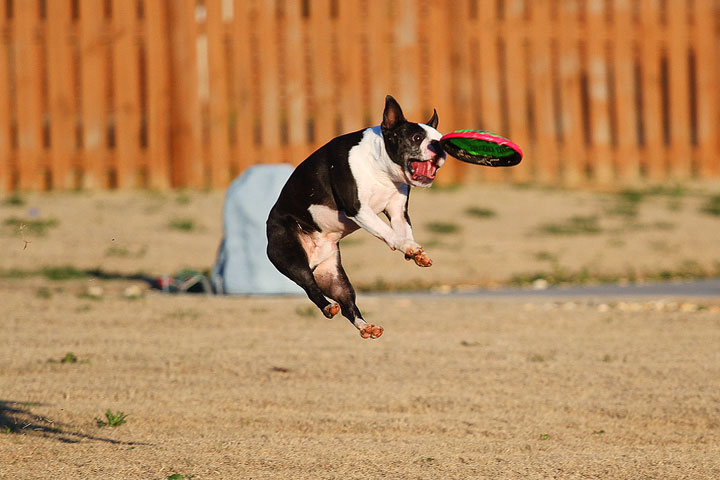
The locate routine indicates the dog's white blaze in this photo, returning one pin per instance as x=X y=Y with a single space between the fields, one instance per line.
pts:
x=432 y=134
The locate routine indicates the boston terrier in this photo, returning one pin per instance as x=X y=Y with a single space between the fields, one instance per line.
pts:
x=342 y=187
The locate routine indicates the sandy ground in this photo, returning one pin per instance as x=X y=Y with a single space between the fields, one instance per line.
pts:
x=268 y=388
x=264 y=388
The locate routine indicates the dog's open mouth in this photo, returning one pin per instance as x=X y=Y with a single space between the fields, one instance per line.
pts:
x=423 y=172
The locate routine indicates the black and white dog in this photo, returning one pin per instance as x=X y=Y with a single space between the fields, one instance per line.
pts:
x=343 y=186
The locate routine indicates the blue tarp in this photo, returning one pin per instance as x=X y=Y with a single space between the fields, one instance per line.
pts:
x=242 y=266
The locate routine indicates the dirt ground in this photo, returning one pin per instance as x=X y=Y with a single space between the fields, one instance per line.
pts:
x=457 y=387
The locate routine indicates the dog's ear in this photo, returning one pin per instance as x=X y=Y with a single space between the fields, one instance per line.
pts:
x=393 y=115
x=433 y=122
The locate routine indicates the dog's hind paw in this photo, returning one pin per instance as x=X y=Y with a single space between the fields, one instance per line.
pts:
x=331 y=310
x=419 y=256
x=371 y=331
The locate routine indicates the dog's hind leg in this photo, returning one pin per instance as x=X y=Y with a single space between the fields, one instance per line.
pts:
x=330 y=276
x=288 y=255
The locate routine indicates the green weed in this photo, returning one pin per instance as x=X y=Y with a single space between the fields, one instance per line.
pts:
x=442 y=227
x=65 y=272
x=712 y=206
x=37 y=227
x=182 y=224
x=576 y=225
x=43 y=292
x=111 y=419
x=479 y=212
x=69 y=358
x=14 y=200
x=306 y=311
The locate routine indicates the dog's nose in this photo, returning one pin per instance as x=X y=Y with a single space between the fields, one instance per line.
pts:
x=434 y=146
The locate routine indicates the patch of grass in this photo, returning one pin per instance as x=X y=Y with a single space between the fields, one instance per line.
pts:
x=712 y=206
x=577 y=225
x=306 y=311
x=178 y=476
x=544 y=436
x=465 y=343
x=66 y=272
x=37 y=227
x=537 y=358
x=111 y=419
x=68 y=358
x=14 y=200
x=479 y=212
x=43 y=292
x=183 y=224
x=16 y=273
x=546 y=257
x=442 y=227
x=183 y=199
x=116 y=251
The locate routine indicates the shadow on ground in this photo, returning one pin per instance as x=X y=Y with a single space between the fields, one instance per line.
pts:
x=16 y=418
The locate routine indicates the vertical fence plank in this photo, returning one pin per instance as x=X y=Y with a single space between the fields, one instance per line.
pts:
x=572 y=151
x=546 y=154
x=28 y=85
x=654 y=153
x=707 y=61
x=186 y=146
x=350 y=22
x=270 y=86
x=219 y=148
x=93 y=82
x=61 y=94
x=628 y=161
x=679 y=114
x=489 y=82
x=599 y=94
x=440 y=74
x=158 y=87
x=517 y=85
x=378 y=58
x=243 y=88
x=5 y=143
x=323 y=104
x=126 y=88
x=405 y=36
x=297 y=100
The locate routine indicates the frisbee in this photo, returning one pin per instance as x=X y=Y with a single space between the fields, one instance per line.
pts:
x=481 y=148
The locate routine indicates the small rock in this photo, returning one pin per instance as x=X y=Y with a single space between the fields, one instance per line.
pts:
x=133 y=291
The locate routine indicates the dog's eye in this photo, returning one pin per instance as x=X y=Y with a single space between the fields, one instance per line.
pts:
x=417 y=138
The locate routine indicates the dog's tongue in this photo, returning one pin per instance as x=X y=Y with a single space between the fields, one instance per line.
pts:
x=425 y=169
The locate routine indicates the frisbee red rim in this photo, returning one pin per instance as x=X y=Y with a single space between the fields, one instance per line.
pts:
x=484 y=136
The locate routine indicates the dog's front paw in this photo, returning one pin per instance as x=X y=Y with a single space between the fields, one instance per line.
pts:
x=419 y=256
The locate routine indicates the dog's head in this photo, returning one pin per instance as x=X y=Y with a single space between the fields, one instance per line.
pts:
x=414 y=147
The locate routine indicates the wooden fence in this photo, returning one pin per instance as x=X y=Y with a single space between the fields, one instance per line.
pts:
x=188 y=93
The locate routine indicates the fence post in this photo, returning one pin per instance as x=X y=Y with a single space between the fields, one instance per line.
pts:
x=61 y=93
x=158 y=102
x=28 y=87
x=186 y=141
x=5 y=165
